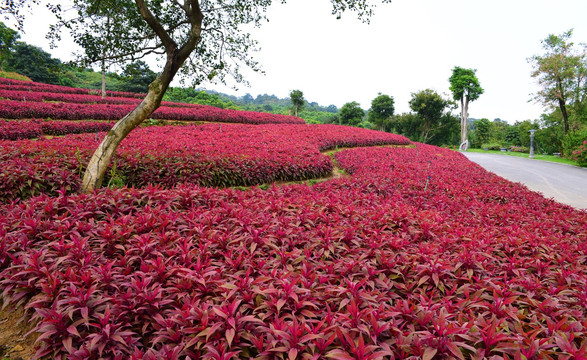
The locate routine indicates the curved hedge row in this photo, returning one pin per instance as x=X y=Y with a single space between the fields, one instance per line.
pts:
x=69 y=111
x=38 y=96
x=208 y=155
x=17 y=130
x=20 y=85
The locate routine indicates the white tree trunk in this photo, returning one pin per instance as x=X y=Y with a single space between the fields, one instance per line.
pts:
x=464 y=116
x=103 y=79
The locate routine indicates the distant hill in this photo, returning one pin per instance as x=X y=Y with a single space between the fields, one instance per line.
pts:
x=38 y=65
x=312 y=111
x=471 y=122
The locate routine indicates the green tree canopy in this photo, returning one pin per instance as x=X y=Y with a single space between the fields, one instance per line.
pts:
x=483 y=129
x=382 y=108
x=137 y=76
x=351 y=114
x=465 y=87
x=297 y=100
x=464 y=84
x=34 y=62
x=562 y=75
x=332 y=108
x=430 y=108
x=8 y=38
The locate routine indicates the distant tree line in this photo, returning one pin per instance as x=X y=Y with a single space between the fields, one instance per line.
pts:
x=561 y=72
x=38 y=65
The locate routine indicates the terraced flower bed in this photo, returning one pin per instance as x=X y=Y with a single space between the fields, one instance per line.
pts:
x=30 y=129
x=418 y=254
x=41 y=96
x=31 y=86
x=21 y=100
x=209 y=155
x=71 y=111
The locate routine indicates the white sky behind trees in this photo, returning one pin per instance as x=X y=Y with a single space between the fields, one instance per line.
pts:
x=410 y=45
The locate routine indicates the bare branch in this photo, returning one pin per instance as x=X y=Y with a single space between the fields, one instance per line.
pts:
x=166 y=40
x=195 y=17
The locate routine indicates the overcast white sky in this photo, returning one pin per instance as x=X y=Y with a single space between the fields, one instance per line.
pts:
x=409 y=46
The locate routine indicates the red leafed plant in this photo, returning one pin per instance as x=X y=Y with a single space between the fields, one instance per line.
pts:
x=209 y=155
x=418 y=254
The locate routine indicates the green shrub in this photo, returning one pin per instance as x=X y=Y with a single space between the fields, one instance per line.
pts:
x=572 y=141
x=13 y=76
x=520 y=149
x=492 y=146
x=580 y=154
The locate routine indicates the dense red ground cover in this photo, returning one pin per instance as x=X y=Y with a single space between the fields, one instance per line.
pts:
x=30 y=129
x=71 y=111
x=16 y=130
x=419 y=254
x=211 y=155
x=21 y=100
x=31 y=86
x=39 y=96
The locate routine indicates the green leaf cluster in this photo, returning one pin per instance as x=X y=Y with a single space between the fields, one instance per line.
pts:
x=351 y=114
x=430 y=122
x=381 y=111
x=464 y=84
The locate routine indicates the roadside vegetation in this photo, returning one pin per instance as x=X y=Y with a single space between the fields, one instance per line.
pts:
x=543 y=157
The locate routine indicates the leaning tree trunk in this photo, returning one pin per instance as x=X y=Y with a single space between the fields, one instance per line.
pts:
x=98 y=165
x=100 y=160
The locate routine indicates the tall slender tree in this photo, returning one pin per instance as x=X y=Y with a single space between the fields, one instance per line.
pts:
x=207 y=36
x=297 y=100
x=465 y=87
x=561 y=73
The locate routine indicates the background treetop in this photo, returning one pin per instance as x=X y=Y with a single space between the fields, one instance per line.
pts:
x=561 y=73
x=224 y=45
x=464 y=83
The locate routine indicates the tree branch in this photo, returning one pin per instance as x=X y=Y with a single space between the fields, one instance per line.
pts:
x=166 y=40
x=195 y=17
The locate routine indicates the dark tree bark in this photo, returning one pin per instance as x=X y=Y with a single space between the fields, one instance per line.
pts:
x=563 y=106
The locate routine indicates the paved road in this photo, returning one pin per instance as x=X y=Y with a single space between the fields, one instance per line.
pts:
x=565 y=183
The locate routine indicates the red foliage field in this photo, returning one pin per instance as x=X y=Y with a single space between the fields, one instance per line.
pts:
x=210 y=155
x=21 y=99
x=30 y=129
x=418 y=254
x=71 y=111
x=31 y=86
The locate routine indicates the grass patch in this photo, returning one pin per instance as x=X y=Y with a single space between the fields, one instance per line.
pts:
x=14 y=76
x=551 y=158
